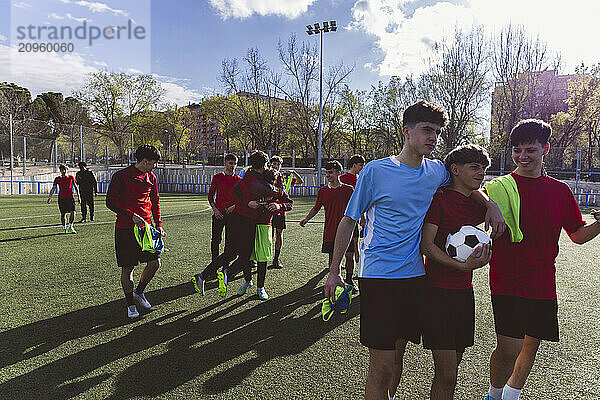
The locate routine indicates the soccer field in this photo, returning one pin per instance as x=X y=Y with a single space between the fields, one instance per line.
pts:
x=64 y=332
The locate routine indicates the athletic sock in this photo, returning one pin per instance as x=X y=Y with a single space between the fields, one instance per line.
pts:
x=276 y=256
x=509 y=393
x=141 y=287
x=70 y=225
x=129 y=298
x=65 y=227
x=495 y=393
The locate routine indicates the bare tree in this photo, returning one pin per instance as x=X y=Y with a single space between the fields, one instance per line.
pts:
x=517 y=59
x=253 y=99
x=457 y=80
x=301 y=87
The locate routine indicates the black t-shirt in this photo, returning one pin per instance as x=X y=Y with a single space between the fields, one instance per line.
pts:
x=86 y=181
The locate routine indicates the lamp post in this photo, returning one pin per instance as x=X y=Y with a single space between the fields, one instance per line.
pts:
x=316 y=28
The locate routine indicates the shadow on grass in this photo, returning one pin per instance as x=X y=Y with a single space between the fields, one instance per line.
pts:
x=30 y=237
x=197 y=343
x=19 y=228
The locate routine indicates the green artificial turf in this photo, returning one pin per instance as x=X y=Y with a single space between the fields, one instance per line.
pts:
x=64 y=332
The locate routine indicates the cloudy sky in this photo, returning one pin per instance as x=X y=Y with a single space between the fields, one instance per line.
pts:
x=184 y=41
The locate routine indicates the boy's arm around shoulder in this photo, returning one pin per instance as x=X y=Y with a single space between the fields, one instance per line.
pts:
x=493 y=216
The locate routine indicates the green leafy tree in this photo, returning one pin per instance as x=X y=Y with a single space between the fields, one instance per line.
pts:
x=116 y=100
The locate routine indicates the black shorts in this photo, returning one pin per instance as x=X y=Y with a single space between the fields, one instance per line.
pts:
x=66 y=205
x=278 y=221
x=390 y=309
x=129 y=252
x=448 y=319
x=516 y=317
x=327 y=247
x=355 y=233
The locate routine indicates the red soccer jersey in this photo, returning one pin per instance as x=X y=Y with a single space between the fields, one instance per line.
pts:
x=335 y=202
x=349 y=179
x=223 y=185
x=526 y=269
x=65 y=186
x=280 y=183
x=133 y=191
x=450 y=210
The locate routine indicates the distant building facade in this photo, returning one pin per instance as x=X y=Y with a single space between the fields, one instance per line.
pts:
x=205 y=133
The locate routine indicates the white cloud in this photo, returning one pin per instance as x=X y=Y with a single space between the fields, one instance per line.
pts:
x=82 y=19
x=180 y=95
x=43 y=72
x=101 y=7
x=65 y=1
x=22 y=4
x=405 y=30
x=247 y=8
x=3 y=38
x=55 y=16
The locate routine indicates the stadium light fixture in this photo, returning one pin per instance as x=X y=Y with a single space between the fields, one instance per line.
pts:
x=316 y=28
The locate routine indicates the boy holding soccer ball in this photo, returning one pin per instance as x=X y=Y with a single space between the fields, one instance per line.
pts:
x=449 y=306
x=522 y=274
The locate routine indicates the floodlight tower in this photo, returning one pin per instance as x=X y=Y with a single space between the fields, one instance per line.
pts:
x=316 y=28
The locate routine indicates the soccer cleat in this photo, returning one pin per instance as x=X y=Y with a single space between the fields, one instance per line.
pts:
x=92 y=219
x=244 y=287
x=132 y=312
x=64 y=230
x=352 y=285
x=222 y=277
x=343 y=296
x=82 y=220
x=71 y=230
x=277 y=265
x=488 y=397
x=262 y=293
x=141 y=300
x=198 y=283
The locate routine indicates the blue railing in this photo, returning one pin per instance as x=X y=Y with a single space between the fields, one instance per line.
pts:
x=587 y=196
x=164 y=187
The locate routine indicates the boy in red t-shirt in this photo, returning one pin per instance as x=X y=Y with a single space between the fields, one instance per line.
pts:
x=334 y=197
x=357 y=162
x=222 y=184
x=522 y=274
x=66 y=202
x=285 y=179
x=449 y=309
x=133 y=195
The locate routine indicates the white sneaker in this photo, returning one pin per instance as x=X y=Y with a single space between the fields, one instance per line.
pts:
x=141 y=299
x=262 y=293
x=132 y=312
x=244 y=287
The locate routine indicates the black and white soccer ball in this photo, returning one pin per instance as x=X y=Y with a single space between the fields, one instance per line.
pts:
x=461 y=244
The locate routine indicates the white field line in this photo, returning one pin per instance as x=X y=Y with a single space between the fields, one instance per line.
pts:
x=58 y=215
x=108 y=222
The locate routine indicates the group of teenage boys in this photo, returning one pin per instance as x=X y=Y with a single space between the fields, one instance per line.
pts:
x=254 y=202
x=85 y=186
x=410 y=203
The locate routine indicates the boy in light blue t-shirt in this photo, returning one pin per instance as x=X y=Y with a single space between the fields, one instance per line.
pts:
x=395 y=193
